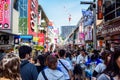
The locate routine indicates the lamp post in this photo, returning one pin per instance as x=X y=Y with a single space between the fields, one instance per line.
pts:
x=94 y=28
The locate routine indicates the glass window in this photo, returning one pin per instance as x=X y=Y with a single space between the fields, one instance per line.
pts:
x=110 y=16
x=117 y=3
x=118 y=12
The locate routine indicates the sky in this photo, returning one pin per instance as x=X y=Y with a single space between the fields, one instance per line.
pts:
x=58 y=11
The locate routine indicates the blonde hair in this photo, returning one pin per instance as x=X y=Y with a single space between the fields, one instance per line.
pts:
x=10 y=67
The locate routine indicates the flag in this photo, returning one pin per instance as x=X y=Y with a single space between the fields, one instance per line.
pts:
x=87 y=18
x=39 y=18
x=69 y=18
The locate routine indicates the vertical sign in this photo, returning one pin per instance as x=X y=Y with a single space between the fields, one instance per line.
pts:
x=100 y=10
x=39 y=18
x=41 y=39
x=32 y=17
x=5 y=14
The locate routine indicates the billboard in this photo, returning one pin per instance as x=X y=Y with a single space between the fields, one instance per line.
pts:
x=87 y=17
x=23 y=7
x=5 y=14
x=32 y=17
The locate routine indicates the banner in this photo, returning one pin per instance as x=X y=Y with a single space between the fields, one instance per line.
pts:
x=81 y=36
x=32 y=17
x=5 y=14
x=100 y=9
x=40 y=38
x=23 y=8
x=87 y=18
x=88 y=35
x=39 y=18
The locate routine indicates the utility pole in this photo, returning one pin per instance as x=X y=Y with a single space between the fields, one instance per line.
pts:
x=94 y=28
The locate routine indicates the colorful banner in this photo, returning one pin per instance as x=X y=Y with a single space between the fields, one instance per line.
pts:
x=87 y=17
x=32 y=17
x=81 y=36
x=5 y=14
x=88 y=35
x=41 y=39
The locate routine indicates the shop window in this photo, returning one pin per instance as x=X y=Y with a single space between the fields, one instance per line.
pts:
x=109 y=8
x=118 y=12
x=4 y=39
x=117 y=3
x=110 y=16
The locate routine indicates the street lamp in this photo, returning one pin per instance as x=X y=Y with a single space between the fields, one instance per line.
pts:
x=94 y=28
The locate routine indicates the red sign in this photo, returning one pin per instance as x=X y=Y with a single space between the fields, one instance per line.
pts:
x=40 y=38
x=50 y=23
x=100 y=10
x=32 y=17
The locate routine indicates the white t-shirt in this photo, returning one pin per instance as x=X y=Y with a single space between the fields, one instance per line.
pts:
x=100 y=67
x=81 y=59
x=68 y=66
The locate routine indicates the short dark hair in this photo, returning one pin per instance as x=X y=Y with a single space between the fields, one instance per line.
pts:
x=51 y=61
x=23 y=50
x=61 y=53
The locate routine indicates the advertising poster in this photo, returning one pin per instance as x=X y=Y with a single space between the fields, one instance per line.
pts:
x=5 y=14
x=32 y=17
x=41 y=39
x=88 y=17
x=81 y=36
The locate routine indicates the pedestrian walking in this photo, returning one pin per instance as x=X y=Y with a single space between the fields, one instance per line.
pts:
x=112 y=72
x=64 y=65
x=51 y=72
x=106 y=55
x=28 y=70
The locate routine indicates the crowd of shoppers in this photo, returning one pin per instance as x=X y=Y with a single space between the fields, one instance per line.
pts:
x=62 y=64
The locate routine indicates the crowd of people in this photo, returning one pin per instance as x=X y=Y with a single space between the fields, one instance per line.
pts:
x=61 y=64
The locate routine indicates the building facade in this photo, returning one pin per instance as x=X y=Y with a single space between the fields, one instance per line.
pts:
x=66 y=30
x=109 y=29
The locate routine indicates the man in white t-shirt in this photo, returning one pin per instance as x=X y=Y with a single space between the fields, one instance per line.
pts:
x=82 y=58
x=63 y=64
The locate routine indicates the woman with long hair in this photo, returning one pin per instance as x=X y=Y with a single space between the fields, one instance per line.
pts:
x=9 y=67
x=106 y=55
x=112 y=72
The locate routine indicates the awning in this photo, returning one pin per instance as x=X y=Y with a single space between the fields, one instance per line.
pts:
x=8 y=33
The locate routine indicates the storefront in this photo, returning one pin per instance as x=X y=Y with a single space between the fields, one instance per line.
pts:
x=110 y=32
x=6 y=41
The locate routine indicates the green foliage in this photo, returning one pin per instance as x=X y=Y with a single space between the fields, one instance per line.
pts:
x=23 y=25
x=38 y=47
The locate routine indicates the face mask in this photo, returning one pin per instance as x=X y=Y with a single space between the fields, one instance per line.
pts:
x=112 y=49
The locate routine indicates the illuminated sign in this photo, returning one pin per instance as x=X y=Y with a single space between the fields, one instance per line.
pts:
x=100 y=10
x=5 y=14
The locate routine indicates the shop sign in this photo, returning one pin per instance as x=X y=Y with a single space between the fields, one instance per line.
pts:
x=41 y=38
x=32 y=18
x=111 y=30
x=5 y=14
x=100 y=9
